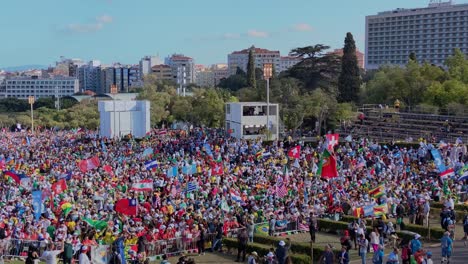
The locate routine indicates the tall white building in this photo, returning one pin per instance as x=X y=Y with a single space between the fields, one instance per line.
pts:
x=241 y=58
x=23 y=87
x=183 y=68
x=432 y=33
x=146 y=63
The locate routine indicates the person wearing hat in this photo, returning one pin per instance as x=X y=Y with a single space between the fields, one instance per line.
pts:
x=415 y=244
x=446 y=244
x=282 y=251
x=252 y=258
x=84 y=259
x=50 y=255
x=429 y=258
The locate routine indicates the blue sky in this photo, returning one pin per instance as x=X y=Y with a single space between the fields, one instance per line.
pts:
x=40 y=31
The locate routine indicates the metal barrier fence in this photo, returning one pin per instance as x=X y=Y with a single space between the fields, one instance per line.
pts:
x=19 y=248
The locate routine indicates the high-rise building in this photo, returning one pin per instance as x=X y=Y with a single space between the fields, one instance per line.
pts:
x=183 y=68
x=89 y=76
x=23 y=87
x=146 y=63
x=359 y=56
x=117 y=75
x=432 y=33
x=241 y=58
x=134 y=77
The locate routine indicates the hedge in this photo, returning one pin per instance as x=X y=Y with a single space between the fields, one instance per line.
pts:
x=457 y=207
x=435 y=213
x=262 y=250
x=436 y=232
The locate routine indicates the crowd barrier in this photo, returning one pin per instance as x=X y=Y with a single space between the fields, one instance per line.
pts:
x=16 y=248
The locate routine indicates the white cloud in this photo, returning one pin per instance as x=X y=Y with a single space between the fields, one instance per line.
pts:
x=257 y=34
x=97 y=25
x=302 y=27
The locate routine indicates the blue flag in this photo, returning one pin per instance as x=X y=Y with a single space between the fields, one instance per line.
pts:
x=147 y=152
x=208 y=149
x=191 y=186
x=37 y=204
x=28 y=141
x=173 y=172
x=368 y=210
x=438 y=160
x=104 y=147
x=151 y=164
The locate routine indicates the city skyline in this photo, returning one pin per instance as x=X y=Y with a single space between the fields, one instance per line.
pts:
x=114 y=31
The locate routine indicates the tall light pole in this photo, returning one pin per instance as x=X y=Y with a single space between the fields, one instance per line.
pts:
x=31 y=101
x=267 y=74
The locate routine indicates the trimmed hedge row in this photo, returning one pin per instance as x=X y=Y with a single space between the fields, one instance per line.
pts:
x=262 y=250
x=436 y=232
x=296 y=247
x=435 y=213
x=457 y=207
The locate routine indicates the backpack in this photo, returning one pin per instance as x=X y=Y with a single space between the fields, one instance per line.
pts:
x=465 y=221
x=2 y=233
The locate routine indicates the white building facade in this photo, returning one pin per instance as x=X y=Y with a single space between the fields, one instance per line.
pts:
x=121 y=118
x=248 y=120
x=183 y=68
x=23 y=87
x=146 y=63
x=432 y=33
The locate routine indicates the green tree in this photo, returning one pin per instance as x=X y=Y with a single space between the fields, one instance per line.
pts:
x=251 y=80
x=458 y=66
x=208 y=108
x=182 y=108
x=13 y=105
x=349 y=81
x=316 y=68
x=412 y=57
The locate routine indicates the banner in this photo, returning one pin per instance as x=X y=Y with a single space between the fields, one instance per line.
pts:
x=37 y=204
x=100 y=254
x=438 y=160
x=261 y=229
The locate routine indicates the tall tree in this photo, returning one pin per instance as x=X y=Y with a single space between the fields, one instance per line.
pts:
x=251 y=69
x=349 y=81
x=413 y=57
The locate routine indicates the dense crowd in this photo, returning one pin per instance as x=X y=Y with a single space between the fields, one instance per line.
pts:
x=94 y=191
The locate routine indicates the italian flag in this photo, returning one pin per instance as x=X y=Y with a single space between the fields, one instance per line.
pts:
x=144 y=185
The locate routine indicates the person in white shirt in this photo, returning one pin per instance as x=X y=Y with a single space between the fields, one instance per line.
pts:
x=83 y=259
x=50 y=255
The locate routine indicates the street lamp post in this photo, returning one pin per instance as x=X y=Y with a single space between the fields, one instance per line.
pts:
x=267 y=74
x=31 y=101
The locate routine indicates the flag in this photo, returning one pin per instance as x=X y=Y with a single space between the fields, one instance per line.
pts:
x=89 y=164
x=236 y=197
x=59 y=186
x=148 y=152
x=2 y=164
x=266 y=155
x=162 y=132
x=28 y=141
x=447 y=173
x=438 y=160
x=172 y=171
x=103 y=146
x=108 y=169
x=192 y=186
x=368 y=210
x=151 y=164
x=261 y=229
x=349 y=138
x=358 y=212
x=216 y=168
x=25 y=182
x=332 y=141
x=13 y=176
x=327 y=166
x=143 y=185
x=66 y=175
x=208 y=149
x=66 y=208
x=377 y=192
x=126 y=206
x=97 y=224
x=224 y=206
x=463 y=172
x=380 y=210
x=37 y=204
x=295 y=152
x=281 y=190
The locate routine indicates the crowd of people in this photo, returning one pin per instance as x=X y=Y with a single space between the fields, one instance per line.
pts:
x=94 y=191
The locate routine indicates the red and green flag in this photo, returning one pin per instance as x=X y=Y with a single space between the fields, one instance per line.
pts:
x=327 y=166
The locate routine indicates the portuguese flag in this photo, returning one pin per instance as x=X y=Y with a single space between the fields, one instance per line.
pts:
x=327 y=166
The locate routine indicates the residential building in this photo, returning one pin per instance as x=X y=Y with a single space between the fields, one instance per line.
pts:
x=147 y=63
x=183 y=68
x=241 y=58
x=286 y=62
x=162 y=72
x=67 y=67
x=210 y=76
x=359 y=55
x=23 y=87
x=432 y=33
x=89 y=76
x=248 y=120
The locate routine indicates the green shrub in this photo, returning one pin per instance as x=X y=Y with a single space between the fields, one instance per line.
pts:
x=457 y=207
